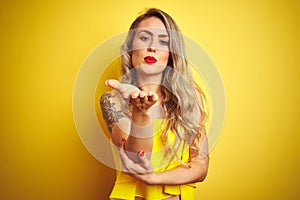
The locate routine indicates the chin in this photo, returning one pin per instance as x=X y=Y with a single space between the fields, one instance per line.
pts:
x=151 y=69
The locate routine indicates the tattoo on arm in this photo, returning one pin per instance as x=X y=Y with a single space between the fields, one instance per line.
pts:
x=109 y=112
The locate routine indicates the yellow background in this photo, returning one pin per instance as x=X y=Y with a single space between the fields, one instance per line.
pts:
x=254 y=44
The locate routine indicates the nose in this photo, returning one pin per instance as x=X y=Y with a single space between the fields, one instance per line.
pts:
x=151 y=49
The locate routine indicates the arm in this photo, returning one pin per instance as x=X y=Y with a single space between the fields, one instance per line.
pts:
x=182 y=175
x=196 y=170
x=137 y=131
x=117 y=123
x=141 y=130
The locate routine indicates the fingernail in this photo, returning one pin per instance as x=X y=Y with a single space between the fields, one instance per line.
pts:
x=142 y=153
x=123 y=139
x=106 y=82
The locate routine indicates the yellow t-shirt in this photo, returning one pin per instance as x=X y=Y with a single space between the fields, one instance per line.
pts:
x=127 y=187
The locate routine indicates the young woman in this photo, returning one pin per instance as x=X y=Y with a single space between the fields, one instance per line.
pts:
x=155 y=115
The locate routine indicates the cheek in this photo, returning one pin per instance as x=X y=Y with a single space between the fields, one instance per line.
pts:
x=138 y=44
x=165 y=56
x=136 y=58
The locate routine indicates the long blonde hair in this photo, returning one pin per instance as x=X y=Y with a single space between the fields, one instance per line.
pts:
x=179 y=90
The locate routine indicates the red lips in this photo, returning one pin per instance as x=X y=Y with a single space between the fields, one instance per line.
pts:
x=150 y=59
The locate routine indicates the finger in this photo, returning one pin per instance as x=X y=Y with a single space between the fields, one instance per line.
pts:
x=128 y=165
x=134 y=100
x=152 y=96
x=113 y=84
x=142 y=94
x=144 y=97
x=141 y=99
x=144 y=161
x=134 y=94
x=124 y=89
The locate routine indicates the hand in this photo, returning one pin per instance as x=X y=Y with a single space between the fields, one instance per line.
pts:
x=142 y=171
x=140 y=100
x=124 y=89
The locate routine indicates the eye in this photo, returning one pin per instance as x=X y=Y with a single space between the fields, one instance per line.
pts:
x=144 y=38
x=164 y=42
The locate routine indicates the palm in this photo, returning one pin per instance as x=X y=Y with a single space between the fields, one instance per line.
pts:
x=140 y=100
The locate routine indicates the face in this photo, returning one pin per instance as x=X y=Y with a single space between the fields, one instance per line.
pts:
x=150 y=47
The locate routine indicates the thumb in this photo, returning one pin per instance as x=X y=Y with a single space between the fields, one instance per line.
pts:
x=115 y=84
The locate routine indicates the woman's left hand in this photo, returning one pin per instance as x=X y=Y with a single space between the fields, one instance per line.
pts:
x=142 y=171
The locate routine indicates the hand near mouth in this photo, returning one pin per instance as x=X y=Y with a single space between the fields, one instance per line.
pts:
x=141 y=101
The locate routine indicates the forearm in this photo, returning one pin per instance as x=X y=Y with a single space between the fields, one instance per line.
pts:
x=135 y=144
x=182 y=174
x=141 y=134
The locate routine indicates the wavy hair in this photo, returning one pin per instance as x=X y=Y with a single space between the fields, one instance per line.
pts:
x=180 y=92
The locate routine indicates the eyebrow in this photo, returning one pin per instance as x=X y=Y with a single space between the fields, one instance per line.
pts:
x=150 y=33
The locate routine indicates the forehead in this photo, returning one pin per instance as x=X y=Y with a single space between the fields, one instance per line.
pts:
x=152 y=24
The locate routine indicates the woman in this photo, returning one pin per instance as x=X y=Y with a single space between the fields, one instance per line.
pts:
x=155 y=115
